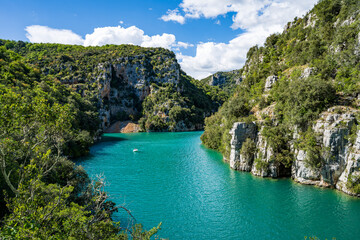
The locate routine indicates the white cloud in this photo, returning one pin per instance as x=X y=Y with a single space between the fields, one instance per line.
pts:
x=173 y=15
x=257 y=18
x=165 y=40
x=43 y=34
x=130 y=35
x=114 y=35
x=212 y=57
x=184 y=45
x=102 y=36
x=248 y=12
x=205 y=8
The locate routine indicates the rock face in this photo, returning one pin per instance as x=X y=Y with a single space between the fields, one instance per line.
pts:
x=238 y=81
x=311 y=21
x=264 y=166
x=217 y=80
x=340 y=166
x=307 y=72
x=240 y=132
x=352 y=169
x=124 y=83
x=270 y=81
x=123 y=127
x=301 y=172
x=357 y=46
x=333 y=129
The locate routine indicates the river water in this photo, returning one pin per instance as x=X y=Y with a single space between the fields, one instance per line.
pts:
x=175 y=180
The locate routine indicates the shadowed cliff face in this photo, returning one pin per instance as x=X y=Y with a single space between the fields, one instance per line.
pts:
x=153 y=92
x=124 y=83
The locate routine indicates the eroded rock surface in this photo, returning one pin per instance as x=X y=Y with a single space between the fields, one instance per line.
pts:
x=340 y=166
x=270 y=81
x=240 y=132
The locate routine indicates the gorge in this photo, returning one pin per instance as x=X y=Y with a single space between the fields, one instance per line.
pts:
x=291 y=111
x=296 y=111
x=197 y=196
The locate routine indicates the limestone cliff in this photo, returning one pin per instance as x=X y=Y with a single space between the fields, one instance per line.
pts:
x=152 y=90
x=340 y=155
x=124 y=83
x=301 y=91
x=240 y=132
x=227 y=81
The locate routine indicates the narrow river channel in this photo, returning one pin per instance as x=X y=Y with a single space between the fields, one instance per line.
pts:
x=173 y=179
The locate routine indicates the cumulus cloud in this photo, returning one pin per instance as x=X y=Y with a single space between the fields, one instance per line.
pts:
x=257 y=18
x=206 y=8
x=269 y=14
x=248 y=12
x=173 y=15
x=184 y=45
x=104 y=35
x=212 y=57
x=165 y=40
x=114 y=35
x=44 y=34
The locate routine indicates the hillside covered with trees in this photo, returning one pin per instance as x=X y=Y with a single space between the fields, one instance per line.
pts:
x=55 y=101
x=312 y=66
x=42 y=192
x=127 y=82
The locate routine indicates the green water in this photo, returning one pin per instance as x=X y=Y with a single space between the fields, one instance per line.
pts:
x=173 y=179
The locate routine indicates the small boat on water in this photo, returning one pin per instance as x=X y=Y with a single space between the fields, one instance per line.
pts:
x=135 y=150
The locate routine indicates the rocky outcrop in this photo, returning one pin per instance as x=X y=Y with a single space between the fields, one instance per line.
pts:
x=351 y=173
x=264 y=166
x=125 y=82
x=270 y=81
x=302 y=172
x=311 y=20
x=238 y=80
x=340 y=166
x=333 y=129
x=240 y=132
x=357 y=46
x=217 y=80
x=123 y=127
x=307 y=72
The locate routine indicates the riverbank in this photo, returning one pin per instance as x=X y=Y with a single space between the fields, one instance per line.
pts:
x=175 y=180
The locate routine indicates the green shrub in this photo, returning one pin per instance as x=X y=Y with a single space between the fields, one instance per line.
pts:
x=248 y=149
x=353 y=183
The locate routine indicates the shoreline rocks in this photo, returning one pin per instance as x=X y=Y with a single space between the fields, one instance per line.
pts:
x=123 y=127
x=340 y=156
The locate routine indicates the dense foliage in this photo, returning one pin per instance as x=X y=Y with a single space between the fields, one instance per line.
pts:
x=50 y=99
x=42 y=193
x=316 y=62
x=74 y=64
x=180 y=107
x=85 y=69
x=230 y=80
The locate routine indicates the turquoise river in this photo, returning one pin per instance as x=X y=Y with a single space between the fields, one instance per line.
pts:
x=175 y=180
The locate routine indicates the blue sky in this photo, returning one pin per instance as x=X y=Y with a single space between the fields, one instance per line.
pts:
x=206 y=35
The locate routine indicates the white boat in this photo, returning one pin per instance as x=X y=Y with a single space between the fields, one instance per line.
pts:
x=135 y=150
